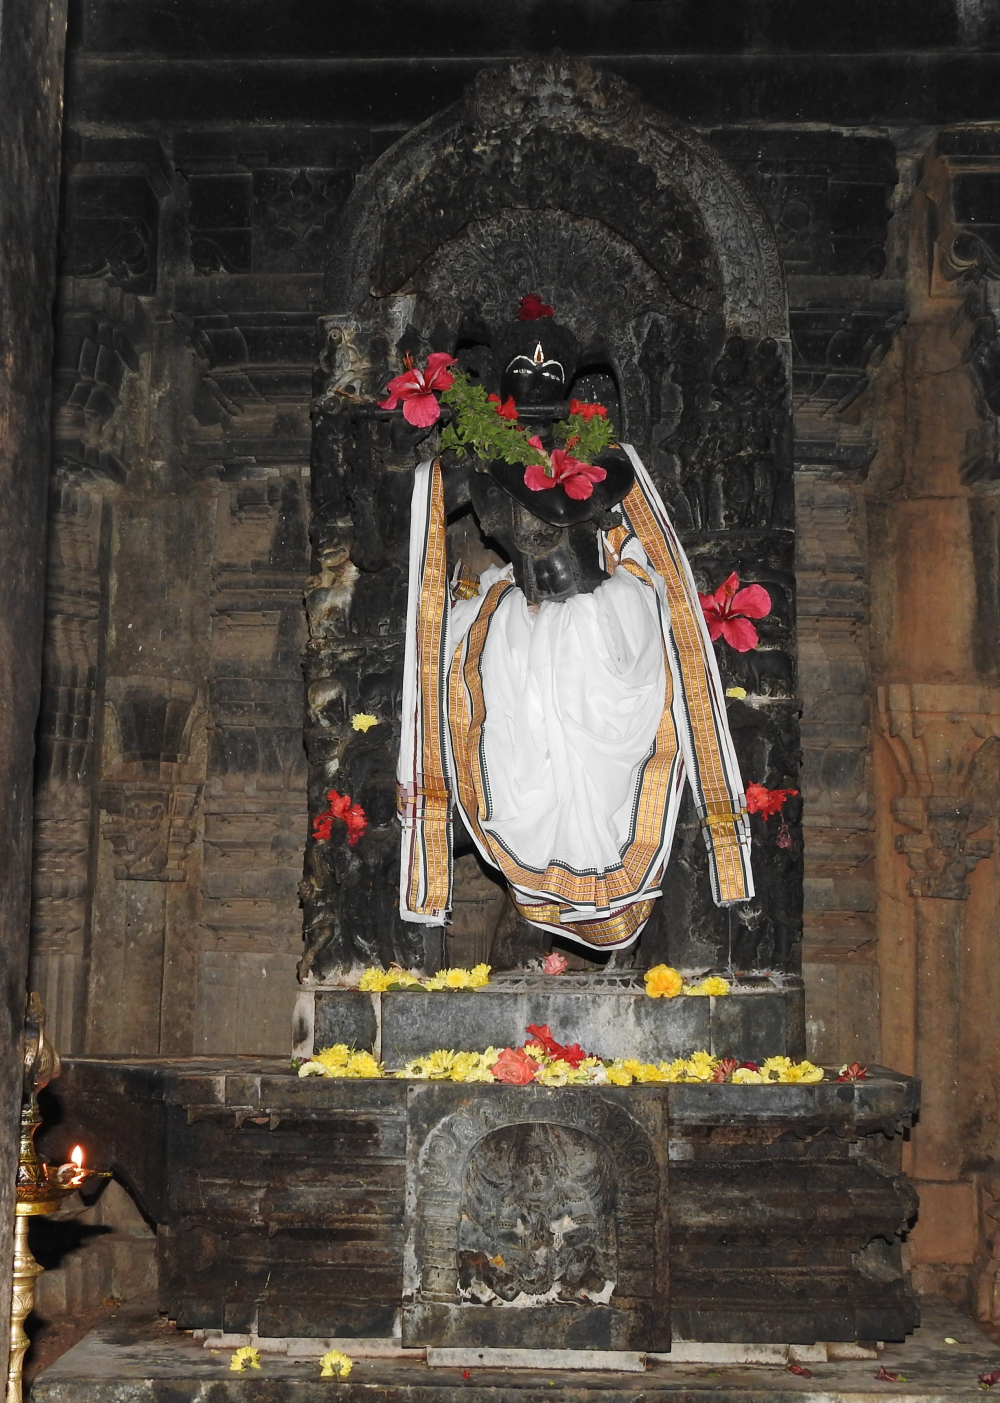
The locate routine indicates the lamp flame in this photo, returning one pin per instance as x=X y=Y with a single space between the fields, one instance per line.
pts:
x=76 y=1155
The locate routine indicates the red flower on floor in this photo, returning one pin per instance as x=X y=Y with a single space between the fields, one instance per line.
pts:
x=576 y=477
x=587 y=411
x=340 y=807
x=507 y=410
x=532 y=307
x=515 y=1066
x=574 y=1054
x=853 y=1071
x=729 y=610
x=415 y=389
x=764 y=801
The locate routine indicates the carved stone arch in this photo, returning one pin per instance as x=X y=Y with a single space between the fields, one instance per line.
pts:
x=554 y=133
x=594 y=1151
x=548 y=176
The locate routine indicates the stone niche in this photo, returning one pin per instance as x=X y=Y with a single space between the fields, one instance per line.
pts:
x=536 y=1217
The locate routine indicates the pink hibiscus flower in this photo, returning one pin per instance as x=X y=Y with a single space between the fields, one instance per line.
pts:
x=568 y=472
x=415 y=389
x=729 y=610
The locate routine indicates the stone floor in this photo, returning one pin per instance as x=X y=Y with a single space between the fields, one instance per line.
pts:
x=124 y=1361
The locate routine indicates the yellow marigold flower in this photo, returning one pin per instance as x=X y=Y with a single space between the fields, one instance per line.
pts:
x=362 y=1064
x=373 y=981
x=772 y=1068
x=245 y=1358
x=330 y=1062
x=554 y=1073
x=663 y=982
x=675 y=1070
x=649 y=1072
x=632 y=1065
x=363 y=721
x=440 y=1064
x=744 y=1076
x=618 y=1076
x=802 y=1072
x=704 y=1059
x=698 y=1072
x=417 y=1069
x=714 y=984
x=471 y=1066
x=479 y=975
x=334 y=1365
x=738 y=693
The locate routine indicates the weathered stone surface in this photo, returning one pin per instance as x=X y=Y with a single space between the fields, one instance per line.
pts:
x=152 y=1362
x=610 y=1017
x=281 y=1200
x=32 y=37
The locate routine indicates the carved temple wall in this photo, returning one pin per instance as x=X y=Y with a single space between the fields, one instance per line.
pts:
x=200 y=233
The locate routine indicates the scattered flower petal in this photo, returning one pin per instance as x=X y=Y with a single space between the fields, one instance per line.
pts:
x=764 y=801
x=555 y=963
x=587 y=411
x=887 y=1376
x=532 y=307
x=363 y=721
x=803 y=1373
x=737 y=693
x=507 y=410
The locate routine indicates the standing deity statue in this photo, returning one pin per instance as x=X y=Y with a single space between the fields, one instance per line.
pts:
x=554 y=709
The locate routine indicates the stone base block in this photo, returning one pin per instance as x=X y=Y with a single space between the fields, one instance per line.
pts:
x=609 y=1016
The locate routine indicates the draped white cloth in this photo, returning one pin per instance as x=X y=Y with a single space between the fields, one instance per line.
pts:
x=570 y=726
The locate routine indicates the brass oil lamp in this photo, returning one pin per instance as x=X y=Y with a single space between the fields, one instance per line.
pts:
x=41 y=1187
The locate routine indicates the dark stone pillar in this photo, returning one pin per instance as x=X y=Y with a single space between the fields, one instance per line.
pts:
x=32 y=37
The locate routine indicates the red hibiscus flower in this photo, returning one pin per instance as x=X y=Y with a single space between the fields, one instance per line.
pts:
x=532 y=307
x=507 y=410
x=574 y=1054
x=415 y=389
x=729 y=610
x=587 y=411
x=340 y=807
x=764 y=801
x=515 y=1066
x=576 y=477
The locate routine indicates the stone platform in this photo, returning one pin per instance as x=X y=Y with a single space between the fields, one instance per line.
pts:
x=608 y=1014
x=291 y=1207
x=153 y=1363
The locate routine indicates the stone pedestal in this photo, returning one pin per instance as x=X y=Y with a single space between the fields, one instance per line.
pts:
x=302 y=1207
x=608 y=1014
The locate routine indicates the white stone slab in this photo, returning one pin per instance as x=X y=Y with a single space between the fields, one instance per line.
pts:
x=709 y=1352
x=305 y=1347
x=621 y=1361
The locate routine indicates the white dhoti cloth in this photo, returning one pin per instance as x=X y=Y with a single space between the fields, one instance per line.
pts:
x=563 y=734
